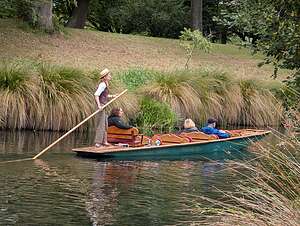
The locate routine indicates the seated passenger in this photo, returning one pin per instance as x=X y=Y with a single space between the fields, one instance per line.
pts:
x=210 y=129
x=189 y=126
x=115 y=119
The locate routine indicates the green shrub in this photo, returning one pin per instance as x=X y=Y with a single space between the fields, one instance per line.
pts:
x=7 y=9
x=155 y=117
x=160 y=18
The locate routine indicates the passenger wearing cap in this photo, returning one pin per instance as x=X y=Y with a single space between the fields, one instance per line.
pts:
x=210 y=128
x=101 y=97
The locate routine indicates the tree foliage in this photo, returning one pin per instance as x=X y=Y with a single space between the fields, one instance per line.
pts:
x=271 y=25
x=191 y=40
x=152 y=17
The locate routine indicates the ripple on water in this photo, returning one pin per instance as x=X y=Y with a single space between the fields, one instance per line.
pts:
x=60 y=189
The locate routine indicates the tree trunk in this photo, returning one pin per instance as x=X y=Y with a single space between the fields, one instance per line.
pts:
x=44 y=14
x=223 y=36
x=38 y=13
x=79 y=14
x=197 y=20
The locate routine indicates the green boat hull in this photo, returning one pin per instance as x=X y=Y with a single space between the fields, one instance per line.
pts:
x=227 y=149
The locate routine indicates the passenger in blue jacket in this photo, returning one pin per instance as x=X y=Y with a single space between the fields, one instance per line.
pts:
x=210 y=129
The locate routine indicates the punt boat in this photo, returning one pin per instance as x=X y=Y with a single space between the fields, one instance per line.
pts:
x=212 y=149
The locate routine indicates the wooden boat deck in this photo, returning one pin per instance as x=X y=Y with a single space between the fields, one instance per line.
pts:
x=249 y=133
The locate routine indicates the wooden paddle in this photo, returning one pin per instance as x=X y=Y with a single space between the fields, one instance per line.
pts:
x=75 y=127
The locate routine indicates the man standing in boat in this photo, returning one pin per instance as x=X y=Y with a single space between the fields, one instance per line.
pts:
x=101 y=97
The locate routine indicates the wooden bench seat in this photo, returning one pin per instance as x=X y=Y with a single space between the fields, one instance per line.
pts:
x=195 y=136
x=127 y=136
x=170 y=139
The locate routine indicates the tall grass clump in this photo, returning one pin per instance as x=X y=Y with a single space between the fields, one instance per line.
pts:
x=202 y=94
x=175 y=90
x=269 y=194
x=18 y=96
x=65 y=97
x=155 y=117
x=260 y=107
x=220 y=95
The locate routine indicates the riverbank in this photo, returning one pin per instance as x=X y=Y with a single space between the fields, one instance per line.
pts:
x=41 y=96
x=47 y=81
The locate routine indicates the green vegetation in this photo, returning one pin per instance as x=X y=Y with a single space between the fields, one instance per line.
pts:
x=191 y=40
x=268 y=195
x=49 y=97
x=120 y=52
x=202 y=94
x=270 y=26
x=155 y=117
x=136 y=77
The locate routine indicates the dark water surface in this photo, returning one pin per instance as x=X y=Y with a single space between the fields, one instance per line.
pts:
x=62 y=189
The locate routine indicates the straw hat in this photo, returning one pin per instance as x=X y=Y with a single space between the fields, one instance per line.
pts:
x=104 y=72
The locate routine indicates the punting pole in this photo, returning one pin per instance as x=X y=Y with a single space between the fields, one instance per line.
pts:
x=75 y=127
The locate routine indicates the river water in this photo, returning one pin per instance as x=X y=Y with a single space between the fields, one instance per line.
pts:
x=63 y=189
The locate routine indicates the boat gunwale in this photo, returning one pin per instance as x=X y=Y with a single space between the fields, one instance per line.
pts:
x=115 y=149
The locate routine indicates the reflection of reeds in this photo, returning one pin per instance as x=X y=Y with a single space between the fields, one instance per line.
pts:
x=269 y=194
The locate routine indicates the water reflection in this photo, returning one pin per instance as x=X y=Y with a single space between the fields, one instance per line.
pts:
x=14 y=145
x=62 y=189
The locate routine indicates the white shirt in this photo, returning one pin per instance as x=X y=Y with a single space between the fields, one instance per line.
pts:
x=100 y=89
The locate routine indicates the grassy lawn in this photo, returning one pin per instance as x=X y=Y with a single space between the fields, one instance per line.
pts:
x=89 y=50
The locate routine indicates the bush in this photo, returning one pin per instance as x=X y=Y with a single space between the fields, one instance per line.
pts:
x=7 y=9
x=160 y=18
x=155 y=117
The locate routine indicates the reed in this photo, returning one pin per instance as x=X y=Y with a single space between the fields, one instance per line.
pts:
x=65 y=97
x=18 y=96
x=259 y=107
x=175 y=90
x=221 y=95
x=268 y=194
x=48 y=97
x=202 y=94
